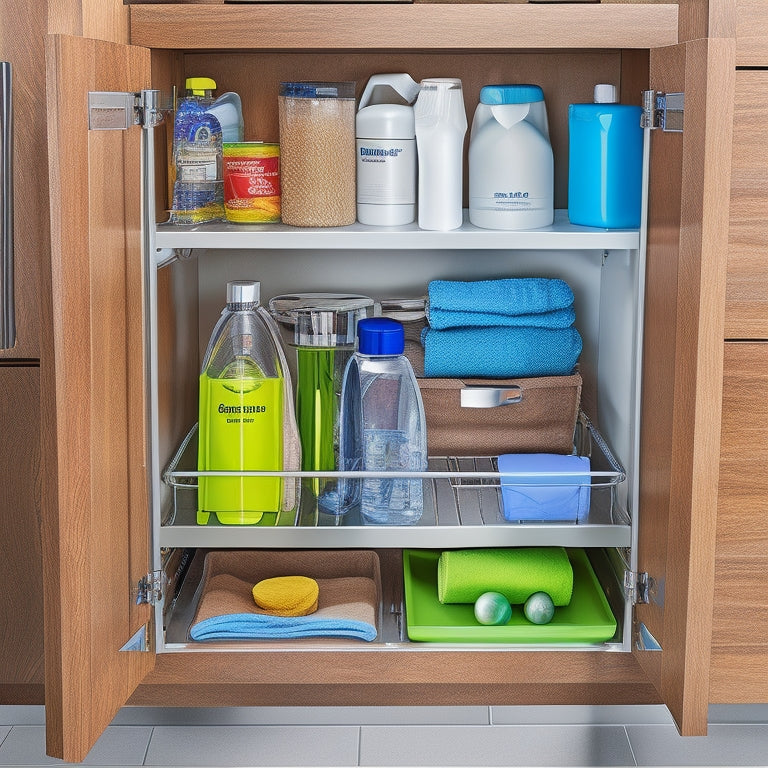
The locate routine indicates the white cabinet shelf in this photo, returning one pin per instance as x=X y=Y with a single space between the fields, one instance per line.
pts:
x=561 y=235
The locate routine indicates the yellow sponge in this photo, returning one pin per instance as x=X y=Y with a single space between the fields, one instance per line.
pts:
x=287 y=595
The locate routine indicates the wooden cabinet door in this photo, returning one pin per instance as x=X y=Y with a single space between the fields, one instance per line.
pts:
x=740 y=619
x=740 y=622
x=747 y=296
x=95 y=494
x=682 y=370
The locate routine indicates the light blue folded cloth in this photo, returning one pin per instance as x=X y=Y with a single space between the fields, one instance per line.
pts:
x=250 y=626
x=498 y=352
x=562 y=497
x=540 y=302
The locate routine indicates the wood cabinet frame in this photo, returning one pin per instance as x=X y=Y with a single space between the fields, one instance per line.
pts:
x=93 y=483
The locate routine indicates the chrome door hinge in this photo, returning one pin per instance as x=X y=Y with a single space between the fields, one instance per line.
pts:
x=119 y=110
x=150 y=589
x=639 y=588
x=663 y=110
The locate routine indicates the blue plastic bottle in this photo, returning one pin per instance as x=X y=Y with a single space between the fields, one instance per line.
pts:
x=198 y=191
x=605 y=167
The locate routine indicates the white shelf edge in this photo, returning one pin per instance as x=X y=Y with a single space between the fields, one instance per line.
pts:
x=418 y=537
x=561 y=235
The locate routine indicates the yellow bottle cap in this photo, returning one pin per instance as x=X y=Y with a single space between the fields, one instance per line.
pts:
x=199 y=85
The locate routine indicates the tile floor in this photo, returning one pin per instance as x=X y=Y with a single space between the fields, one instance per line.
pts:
x=401 y=736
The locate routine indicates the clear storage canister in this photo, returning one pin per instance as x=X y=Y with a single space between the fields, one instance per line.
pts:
x=317 y=149
x=321 y=329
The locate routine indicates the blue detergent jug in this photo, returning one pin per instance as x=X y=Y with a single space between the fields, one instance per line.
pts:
x=605 y=167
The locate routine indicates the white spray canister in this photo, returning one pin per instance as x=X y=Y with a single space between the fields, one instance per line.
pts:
x=386 y=151
x=511 y=166
x=441 y=124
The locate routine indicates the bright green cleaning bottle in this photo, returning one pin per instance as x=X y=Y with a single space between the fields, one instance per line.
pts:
x=241 y=414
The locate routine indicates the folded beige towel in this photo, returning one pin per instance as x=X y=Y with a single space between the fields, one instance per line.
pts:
x=349 y=583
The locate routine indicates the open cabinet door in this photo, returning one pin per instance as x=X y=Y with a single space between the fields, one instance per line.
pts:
x=682 y=379
x=95 y=494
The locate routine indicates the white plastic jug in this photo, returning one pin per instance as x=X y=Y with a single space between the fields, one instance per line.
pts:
x=511 y=166
x=228 y=110
x=386 y=151
x=441 y=124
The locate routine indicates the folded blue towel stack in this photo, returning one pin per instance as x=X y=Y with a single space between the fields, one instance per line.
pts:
x=245 y=626
x=514 y=327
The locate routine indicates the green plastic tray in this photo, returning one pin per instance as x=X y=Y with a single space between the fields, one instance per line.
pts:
x=586 y=619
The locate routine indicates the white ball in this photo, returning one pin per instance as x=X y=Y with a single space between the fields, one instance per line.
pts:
x=492 y=608
x=539 y=608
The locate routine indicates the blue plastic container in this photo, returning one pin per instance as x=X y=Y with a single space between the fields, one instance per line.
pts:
x=605 y=167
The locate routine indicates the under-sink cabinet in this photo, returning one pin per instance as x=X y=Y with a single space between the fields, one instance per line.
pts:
x=135 y=300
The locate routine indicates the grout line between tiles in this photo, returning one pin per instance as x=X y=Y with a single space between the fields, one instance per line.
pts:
x=146 y=749
x=629 y=741
x=359 y=743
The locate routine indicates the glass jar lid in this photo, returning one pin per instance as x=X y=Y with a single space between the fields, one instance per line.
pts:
x=321 y=319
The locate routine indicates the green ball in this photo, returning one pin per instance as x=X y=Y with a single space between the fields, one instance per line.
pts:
x=492 y=608
x=539 y=608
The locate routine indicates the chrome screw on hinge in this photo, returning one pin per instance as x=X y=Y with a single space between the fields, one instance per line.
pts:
x=149 y=590
x=637 y=587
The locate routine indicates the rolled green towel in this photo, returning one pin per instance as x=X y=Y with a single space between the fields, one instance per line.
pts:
x=464 y=574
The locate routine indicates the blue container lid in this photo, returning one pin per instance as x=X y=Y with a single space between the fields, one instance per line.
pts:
x=510 y=94
x=380 y=336
x=318 y=90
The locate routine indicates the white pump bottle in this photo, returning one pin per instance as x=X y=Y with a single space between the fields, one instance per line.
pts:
x=441 y=124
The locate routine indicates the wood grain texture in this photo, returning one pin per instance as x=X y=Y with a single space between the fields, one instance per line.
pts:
x=100 y=19
x=253 y=694
x=740 y=619
x=721 y=16
x=21 y=607
x=683 y=368
x=747 y=291
x=751 y=33
x=395 y=677
x=715 y=18
x=21 y=43
x=362 y=27
x=88 y=488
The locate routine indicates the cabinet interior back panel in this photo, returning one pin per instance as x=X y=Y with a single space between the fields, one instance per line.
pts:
x=564 y=77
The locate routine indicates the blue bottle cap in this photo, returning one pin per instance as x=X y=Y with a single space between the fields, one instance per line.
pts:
x=380 y=336
x=510 y=94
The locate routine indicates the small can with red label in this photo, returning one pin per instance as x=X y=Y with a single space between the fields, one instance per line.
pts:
x=251 y=182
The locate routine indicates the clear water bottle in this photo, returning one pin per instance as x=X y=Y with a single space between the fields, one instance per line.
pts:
x=382 y=428
x=242 y=413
